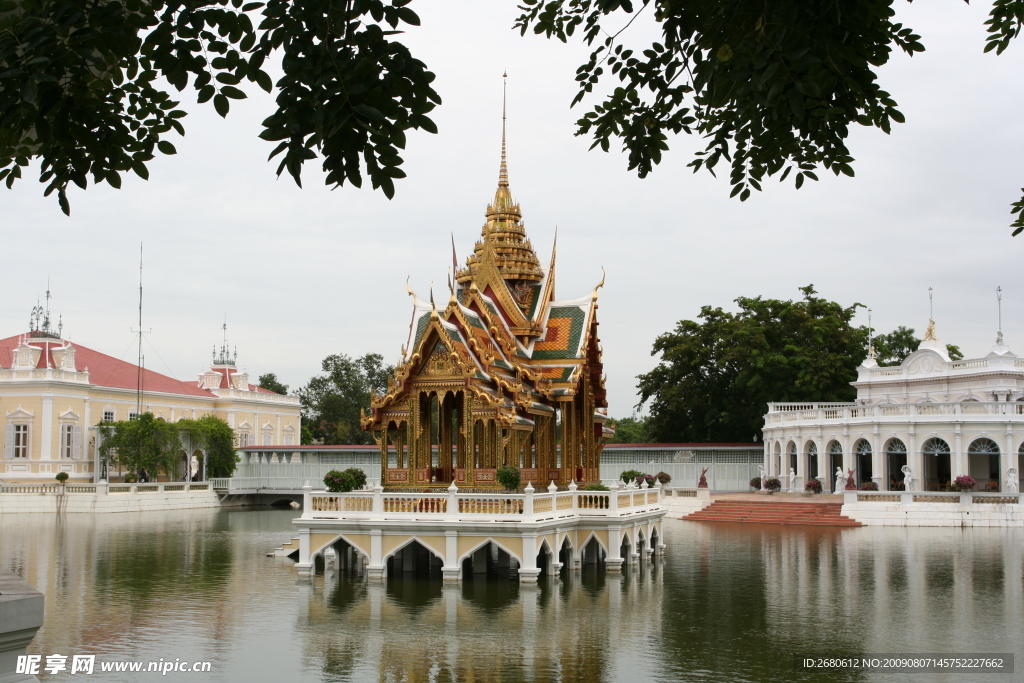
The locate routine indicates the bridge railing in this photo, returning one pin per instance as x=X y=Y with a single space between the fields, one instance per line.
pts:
x=106 y=489
x=375 y=504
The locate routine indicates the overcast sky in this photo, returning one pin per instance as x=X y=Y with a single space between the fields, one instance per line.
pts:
x=302 y=274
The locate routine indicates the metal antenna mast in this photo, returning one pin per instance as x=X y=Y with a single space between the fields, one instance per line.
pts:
x=138 y=385
x=931 y=308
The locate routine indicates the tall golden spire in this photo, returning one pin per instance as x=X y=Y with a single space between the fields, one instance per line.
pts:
x=503 y=170
x=504 y=244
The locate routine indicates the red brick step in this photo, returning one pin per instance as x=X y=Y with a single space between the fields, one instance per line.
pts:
x=774 y=512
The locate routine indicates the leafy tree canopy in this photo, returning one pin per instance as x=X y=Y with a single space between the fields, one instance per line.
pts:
x=331 y=402
x=270 y=382
x=148 y=443
x=717 y=376
x=217 y=439
x=772 y=87
x=630 y=430
x=144 y=443
x=82 y=84
x=894 y=347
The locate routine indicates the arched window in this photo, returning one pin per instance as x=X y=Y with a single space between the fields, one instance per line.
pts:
x=865 y=468
x=983 y=463
x=836 y=448
x=812 y=460
x=983 y=445
x=935 y=446
x=937 y=467
x=792 y=456
x=897 y=447
x=895 y=460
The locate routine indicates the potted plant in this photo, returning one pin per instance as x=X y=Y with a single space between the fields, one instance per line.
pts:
x=649 y=478
x=965 y=483
x=596 y=487
x=755 y=483
x=663 y=477
x=813 y=486
x=869 y=486
x=772 y=484
x=508 y=476
x=61 y=477
x=630 y=475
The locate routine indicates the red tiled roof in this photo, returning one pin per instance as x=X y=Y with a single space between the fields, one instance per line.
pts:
x=106 y=371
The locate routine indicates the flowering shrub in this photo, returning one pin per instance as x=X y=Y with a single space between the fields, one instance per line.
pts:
x=755 y=483
x=340 y=482
x=814 y=486
x=772 y=484
x=965 y=483
x=869 y=486
x=663 y=477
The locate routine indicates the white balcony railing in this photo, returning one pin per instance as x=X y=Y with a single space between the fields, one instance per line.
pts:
x=506 y=507
x=796 y=413
x=105 y=489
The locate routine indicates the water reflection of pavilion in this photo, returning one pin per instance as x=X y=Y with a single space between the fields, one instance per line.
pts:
x=414 y=629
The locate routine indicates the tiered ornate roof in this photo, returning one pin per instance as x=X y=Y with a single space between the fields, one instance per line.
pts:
x=503 y=338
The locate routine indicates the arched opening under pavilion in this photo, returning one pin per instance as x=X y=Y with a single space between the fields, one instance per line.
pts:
x=792 y=457
x=415 y=559
x=592 y=554
x=937 y=466
x=983 y=461
x=776 y=465
x=895 y=460
x=862 y=450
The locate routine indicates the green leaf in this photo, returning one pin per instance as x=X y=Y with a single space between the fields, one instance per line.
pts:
x=220 y=103
x=166 y=147
x=232 y=92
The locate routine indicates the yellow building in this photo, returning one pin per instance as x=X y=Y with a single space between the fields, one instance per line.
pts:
x=53 y=394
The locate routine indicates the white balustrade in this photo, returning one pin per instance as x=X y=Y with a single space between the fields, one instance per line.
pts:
x=527 y=506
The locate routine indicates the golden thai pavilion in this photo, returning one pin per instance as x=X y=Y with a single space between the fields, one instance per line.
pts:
x=503 y=375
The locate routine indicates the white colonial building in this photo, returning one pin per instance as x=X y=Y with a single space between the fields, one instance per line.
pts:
x=943 y=418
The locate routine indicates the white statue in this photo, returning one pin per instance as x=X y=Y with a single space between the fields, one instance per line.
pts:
x=761 y=472
x=908 y=478
x=840 y=480
x=792 y=480
x=1012 y=483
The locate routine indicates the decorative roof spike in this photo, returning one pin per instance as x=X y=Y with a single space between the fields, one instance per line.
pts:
x=503 y=169
x=601 y=283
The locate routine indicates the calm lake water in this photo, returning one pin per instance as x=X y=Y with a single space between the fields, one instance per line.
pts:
x=727 y=603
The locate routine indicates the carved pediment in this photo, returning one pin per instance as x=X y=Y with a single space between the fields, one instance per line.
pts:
x=439 y=362
x=20 y=414
x=69 y=415
x=245 y=425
